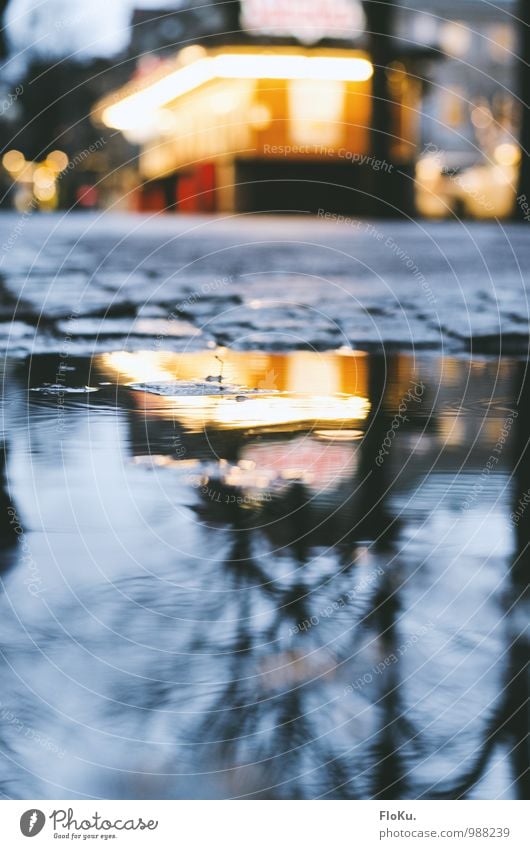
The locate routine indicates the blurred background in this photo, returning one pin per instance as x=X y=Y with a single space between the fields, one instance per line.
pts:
x=247 y=460
x=378 y=108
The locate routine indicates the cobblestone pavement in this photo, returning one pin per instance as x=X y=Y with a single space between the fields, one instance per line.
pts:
x=115 y=281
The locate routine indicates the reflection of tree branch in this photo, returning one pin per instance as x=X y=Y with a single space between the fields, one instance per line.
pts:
x=518 y=696
x=466 y=782
x=389 y=771
x=8 y=536
x=511 y=719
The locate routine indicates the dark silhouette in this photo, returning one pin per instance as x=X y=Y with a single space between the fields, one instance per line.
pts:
x=8 y=518
x=3 y=39
x=523 y=73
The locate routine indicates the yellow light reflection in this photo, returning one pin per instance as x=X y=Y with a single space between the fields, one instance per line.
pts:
x=236 y=401
x=272 y=411
x=144 y=368
x=342 y=435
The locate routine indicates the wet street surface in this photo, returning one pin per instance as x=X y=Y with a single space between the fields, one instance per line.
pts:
x=264 y=496
x=264 y=575
x=87 y=283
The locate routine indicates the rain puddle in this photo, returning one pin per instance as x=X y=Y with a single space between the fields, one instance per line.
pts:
x=264 y=576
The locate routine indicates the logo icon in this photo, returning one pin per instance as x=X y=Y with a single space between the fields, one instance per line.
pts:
x=269 y=381
x=32 y=822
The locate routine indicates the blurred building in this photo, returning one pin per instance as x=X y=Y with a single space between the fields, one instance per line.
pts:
x=478 y=43
x=271 y=107
x=469 y=155
x=345 y=106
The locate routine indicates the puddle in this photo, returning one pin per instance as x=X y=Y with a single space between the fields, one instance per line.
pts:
x=264 y=575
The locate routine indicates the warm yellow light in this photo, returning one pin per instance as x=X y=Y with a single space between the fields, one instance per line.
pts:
x=474 y=181
x=232 y=408
x=342 y=435
x=260 y=116
x=57 y=160
x=292 y=67
x=507 y=154
x=13 y=161
x=455 y=38
x=271 y=411
x=43 y=177
x=502 y=176
x=428 y=168
x=143 y=368
x=44 y=192
x=131 y=111
x=134 y=109
x=260 y=411
x=192 y=53
x=316 y=110
x=224 y=102
x=166 y=122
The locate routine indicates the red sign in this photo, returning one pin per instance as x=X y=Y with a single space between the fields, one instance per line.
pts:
x=307 y=20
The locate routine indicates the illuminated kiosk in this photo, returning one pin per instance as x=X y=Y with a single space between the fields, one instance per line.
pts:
x=255 y=126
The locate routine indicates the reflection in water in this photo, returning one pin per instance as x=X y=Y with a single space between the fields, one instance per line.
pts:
x=516 y=713
x=268 y=576
x=8 y=518
x=265 y=391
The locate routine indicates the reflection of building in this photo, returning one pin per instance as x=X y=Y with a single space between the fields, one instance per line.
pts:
x=255 y=390
x=275 y=116
x=296 y=436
